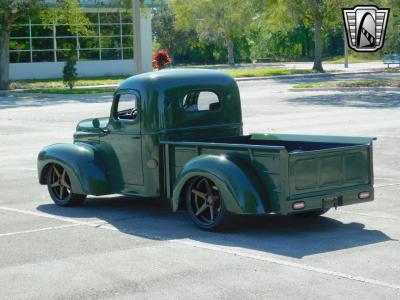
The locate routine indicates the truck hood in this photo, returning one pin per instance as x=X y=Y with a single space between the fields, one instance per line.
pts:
x=86 y=125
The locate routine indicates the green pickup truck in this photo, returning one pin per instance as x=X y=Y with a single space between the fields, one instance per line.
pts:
x=177 y=134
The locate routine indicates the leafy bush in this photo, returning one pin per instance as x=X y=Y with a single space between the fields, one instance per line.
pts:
x=70 y=74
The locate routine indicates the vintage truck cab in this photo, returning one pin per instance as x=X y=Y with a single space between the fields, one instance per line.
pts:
x=177 y=134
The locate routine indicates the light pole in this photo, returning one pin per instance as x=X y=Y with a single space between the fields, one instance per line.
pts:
x=137 y=38
x=346 y=52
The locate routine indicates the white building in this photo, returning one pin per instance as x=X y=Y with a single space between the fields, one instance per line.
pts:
x=39 y=50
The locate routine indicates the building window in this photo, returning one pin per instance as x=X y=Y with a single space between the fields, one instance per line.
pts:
x=110 y=37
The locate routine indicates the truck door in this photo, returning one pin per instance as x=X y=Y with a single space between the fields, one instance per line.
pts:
x=124 y=137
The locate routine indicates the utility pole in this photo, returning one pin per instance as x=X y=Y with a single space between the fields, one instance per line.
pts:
x=346 y=52
x=138 y=37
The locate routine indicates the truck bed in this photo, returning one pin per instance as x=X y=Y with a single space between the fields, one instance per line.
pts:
x=291 y=143
x=291 y=167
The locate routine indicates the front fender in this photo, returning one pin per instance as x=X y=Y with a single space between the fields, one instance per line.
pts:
x=238 y=183
x=83 y=163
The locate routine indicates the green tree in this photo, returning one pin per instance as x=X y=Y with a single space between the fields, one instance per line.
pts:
x=392 y=39
x=61 y=12
x=184 y=44
x=164 y=32
x=293 y=44
x=10 y=12
x=314 y=14
x=217 y=21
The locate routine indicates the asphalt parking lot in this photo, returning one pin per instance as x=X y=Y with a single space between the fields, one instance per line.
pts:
x=114 y=247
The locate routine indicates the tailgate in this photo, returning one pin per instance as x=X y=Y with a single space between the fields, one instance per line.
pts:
x=328 y=169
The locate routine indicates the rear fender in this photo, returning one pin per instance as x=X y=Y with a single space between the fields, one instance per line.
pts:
x=83 y=163
x=238 y=183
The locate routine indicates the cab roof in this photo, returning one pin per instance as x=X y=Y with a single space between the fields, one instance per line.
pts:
x=169 y=78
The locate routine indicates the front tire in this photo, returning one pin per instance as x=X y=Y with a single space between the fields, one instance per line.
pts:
x=205 y=205
x=59 y=186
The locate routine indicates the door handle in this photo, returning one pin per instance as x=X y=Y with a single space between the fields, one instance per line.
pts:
x=136 y=137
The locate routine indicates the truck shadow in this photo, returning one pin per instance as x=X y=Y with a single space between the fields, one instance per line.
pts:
x=379 y=75
x=281 y=235
x=365 y=99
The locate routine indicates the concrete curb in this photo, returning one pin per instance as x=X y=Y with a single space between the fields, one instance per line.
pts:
x=76 y=87
x=96 y=86
x=345 y=89
x=4 y=93
x=53 y=95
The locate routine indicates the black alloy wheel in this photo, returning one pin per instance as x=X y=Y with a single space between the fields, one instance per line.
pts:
x=59 y=186
x=205 y=205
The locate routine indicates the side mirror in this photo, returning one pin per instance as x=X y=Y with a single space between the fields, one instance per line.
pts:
x=96 y=123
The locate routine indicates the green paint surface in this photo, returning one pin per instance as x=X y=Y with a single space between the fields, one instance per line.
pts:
x=166 y=145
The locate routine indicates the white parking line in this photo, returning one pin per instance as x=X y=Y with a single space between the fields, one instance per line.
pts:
x=286 y=263
x=64 y=219
x=38 y=230
x=368 y=215
x=385 y=185
x=262 y=257
x=197 y=244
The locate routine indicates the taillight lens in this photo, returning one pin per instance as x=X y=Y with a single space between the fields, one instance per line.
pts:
x=364 y=195
x=298 y=205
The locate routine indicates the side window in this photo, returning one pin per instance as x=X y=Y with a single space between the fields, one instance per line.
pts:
x=201 y=101
x=126 y=108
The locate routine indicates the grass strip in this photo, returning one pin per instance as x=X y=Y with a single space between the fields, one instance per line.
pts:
x=266 y=72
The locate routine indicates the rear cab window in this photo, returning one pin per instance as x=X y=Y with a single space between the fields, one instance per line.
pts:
x=196 y=101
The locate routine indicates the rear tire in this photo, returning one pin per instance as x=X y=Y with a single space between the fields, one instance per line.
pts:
x=59 y=186
x=205 y=205
x=312 y=214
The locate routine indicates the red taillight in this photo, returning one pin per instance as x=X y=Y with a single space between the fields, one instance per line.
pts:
x=364 y=195
x=298 y=205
